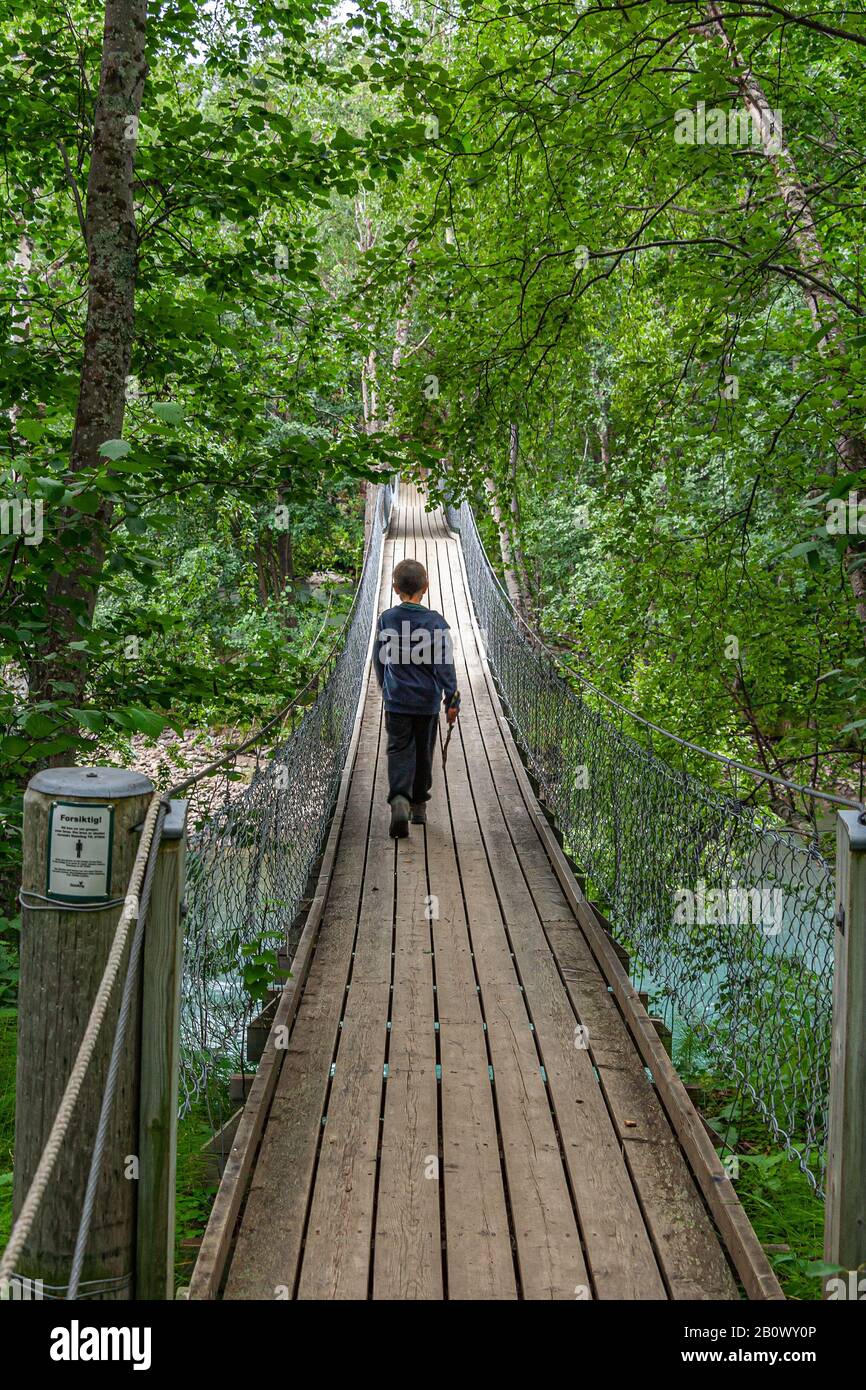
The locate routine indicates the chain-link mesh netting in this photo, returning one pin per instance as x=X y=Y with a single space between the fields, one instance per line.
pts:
x=727 y=912
x=258 y=825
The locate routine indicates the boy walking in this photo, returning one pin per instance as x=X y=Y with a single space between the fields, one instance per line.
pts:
x=414 y=663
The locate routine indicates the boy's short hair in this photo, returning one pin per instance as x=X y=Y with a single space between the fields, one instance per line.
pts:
x=410 y=577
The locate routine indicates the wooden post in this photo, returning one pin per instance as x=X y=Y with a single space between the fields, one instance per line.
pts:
x=79 y=848
x=845 y=1219
x=160 y=1061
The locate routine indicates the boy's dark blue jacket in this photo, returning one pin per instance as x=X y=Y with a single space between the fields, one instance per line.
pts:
x=414 y=659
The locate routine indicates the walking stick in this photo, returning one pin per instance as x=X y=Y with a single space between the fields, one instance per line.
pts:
x=455 y=704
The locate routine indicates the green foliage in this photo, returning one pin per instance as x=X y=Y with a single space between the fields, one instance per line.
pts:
x=8 y=1027
x=784 y=1210
x=243 y=391
x=636 y=309
x=195 y=1189
x=260 y=965
x=9 y=931
x=778 y=1198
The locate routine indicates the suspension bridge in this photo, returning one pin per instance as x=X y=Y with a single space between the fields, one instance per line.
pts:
x=460 y=1093
x=462 y=1110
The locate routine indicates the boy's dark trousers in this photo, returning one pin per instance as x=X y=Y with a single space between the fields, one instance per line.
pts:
x=411 y=739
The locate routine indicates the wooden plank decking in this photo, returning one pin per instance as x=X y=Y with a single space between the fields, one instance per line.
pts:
x=437 y=1129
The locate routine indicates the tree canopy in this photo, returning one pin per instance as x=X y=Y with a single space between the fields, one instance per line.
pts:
x=597 y=266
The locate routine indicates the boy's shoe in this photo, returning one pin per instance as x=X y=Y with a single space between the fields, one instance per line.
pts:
x=399 y=818
x=419 y=813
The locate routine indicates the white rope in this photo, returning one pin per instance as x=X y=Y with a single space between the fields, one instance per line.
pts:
x=117 y=1052
x=41 y=1178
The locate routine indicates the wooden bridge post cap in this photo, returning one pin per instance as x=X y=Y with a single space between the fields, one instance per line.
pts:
x=110 y=783
x=855 y=829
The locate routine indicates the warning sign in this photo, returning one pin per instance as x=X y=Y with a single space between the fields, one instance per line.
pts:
x=79 y=851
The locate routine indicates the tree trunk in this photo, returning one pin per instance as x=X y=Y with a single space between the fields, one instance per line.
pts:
x=514 y=506
x=369 y=384
x=285 y=563
x=369 y=380
x=22 y=264
x=401 y=329
x=261 y=571
x=603 y=404
x=801 y=223
x=512 y=583
x=112 y=250
x=287 y=571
